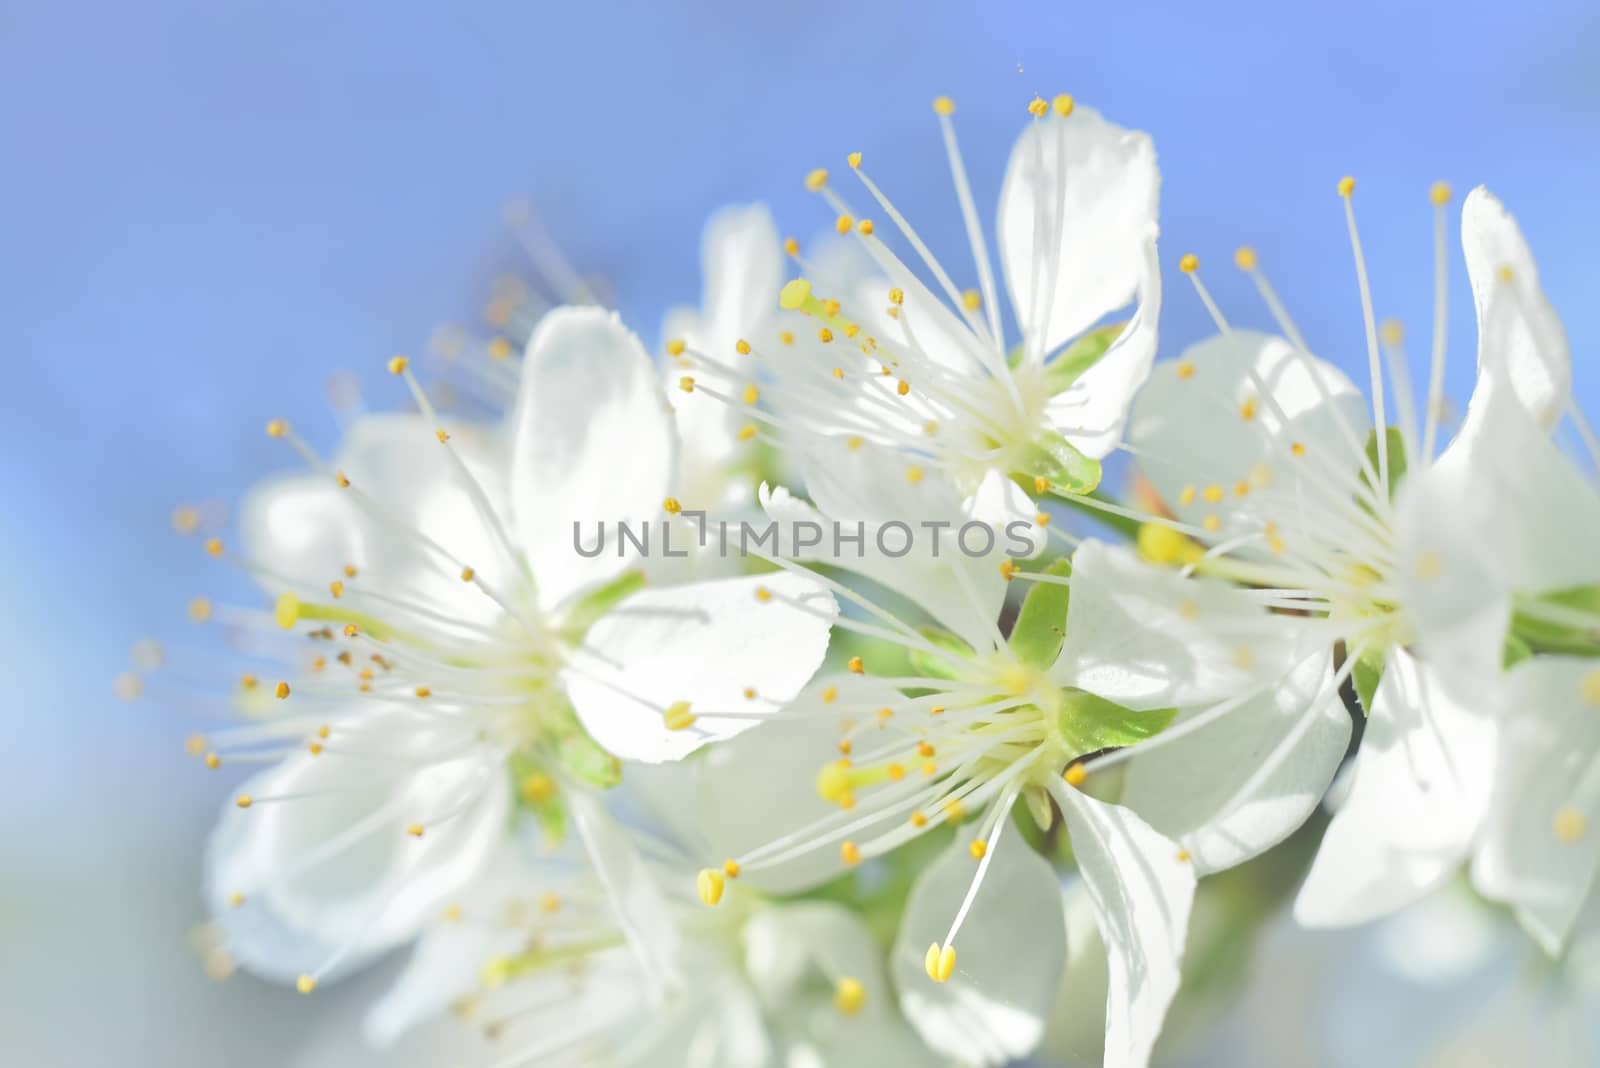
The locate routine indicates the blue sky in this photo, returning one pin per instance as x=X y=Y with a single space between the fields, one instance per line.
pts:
x=209 y=208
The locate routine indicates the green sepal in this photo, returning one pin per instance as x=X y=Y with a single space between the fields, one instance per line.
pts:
x=547 y=809
x=937 y=667
x=1089 y=722
x=1053 y=457
x=1072 y=362
x=1042 y=623
x=594 y=605
x=1516 y=651
x=578 y=753
x=1396 y=443
x=1546 y=636
x=1365 y=676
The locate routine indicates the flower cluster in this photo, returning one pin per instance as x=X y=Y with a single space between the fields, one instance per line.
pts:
x=763 y=808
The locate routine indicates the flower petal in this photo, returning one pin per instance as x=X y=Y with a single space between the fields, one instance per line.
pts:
x=593 y=442
x=1521 y=342
x=1011 y=949
x=1416 y=800
x=1541 y=845
x=1148 y=638
x=1091 y=413
x=1079 y=197
x=1243 y=783
x=1201 y=421
x=704 y=644
x=337 y=867
x=1142 y=892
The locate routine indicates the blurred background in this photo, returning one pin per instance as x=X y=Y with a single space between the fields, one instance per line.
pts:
x=210 y=208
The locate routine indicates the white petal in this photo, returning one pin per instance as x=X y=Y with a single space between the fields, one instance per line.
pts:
x=1092 y=412
x=405 y=492
x=1147 y=638
x=1416 y=799
x=593 y=442
x=339 y=868
x=1079 y=197
x=706 y=644
x=1189 y=431
x=963 y=593
x=1009 y=954
x=1142 y=893
x=1521 y=342
x=1242 y=783
x=1546 y=780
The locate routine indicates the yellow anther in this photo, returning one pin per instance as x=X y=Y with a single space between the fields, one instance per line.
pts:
x=686 y=383
x=336 y=588
x=536 y=787
x=1185 y=369
x=742 y=347
x=1590 y=688
x=672 y=506
x=930 y=769
x=838 y=372
x=1185 y=496
x=248 y=681
x=677 y=717
x=1241 y=488
x=925 y=749
x=747 y=432
x=468 y=574
x=306 y=984
x=1009 y=569
x=919 y=819
x=971 y=299
x=849 y=996
x=1038 y=108
x=314 y=748
x=763 y=594
x=865 y=226
x=940 y=963
x=854 y=442
x=549 y=902
x=416 y=830
x=914 y=474
x=214 y=546
x=751 y=394
x=897 y=295
x=442 y=435
x=936 y=710
x=1298 y=449
x=1042 y=519
x=423 y=692
x=844 y=223
x=1041 y=484
x=845 y=746
x=1075 y=775
x=824 y=335
x=281 y=691
x=930 y=427
x=1214 y=493
x=885 y=714
x=1347 y=185
x=195 y=744
x=1244 y=258
x=213 y=761
x=200 y=609
x=676 y=346
x=1189 y=263
x=1247 y=409
x=244 y=801
x=849 y=852
x=943 y=105
x=1506 y=273
x=749 y=693
x=896 y=772
x=339 y=477
x=351 y=630
x=1063 y=104
x=398 y=365
x=235 y=900
x=791 y=246
x=453 y=913
x=856 y=666
x=1439 y=193
x=847 y=802
x=1211 y=523
x=817 y=179
x=786 y=337
x=1244 y=658
x=1182 y=856
x=277 y=428
x=1391 y=332
x=902 y=387
x=830 y=694
x=978 y=848
x=499 y=349
x=185 y=519
x=1570 y=823
x=1189 y=609
x=731 y=869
